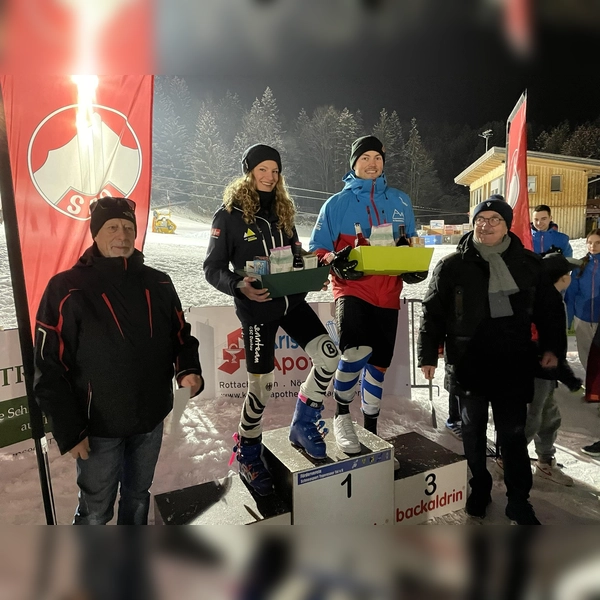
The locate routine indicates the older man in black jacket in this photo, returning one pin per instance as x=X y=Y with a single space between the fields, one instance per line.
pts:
x=110 y=336
x=481 y=303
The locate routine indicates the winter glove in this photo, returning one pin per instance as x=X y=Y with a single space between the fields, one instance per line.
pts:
x=552 y=250
x=416 y=277
x=576 y=386
x=344 y=268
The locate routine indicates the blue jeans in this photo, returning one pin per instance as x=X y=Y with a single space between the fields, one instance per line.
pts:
x=543 y=420
x=129 y=462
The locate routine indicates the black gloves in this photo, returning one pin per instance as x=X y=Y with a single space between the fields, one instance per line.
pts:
x=416 y=277
x=344 y=268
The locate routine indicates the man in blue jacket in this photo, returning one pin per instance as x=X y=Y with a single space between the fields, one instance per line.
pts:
x=366 y=306
x=545 y=234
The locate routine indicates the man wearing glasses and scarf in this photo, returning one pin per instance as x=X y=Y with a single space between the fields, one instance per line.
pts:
x=110 y=336
x=481 y=302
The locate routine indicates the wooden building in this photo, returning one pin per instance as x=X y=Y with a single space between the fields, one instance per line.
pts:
x=561 y=182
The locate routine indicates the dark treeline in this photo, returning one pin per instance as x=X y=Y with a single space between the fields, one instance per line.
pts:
x=198 y=144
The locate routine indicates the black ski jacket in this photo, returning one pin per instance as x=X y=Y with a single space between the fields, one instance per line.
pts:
x=110 y=335
x=233 y=241
x=490 y=356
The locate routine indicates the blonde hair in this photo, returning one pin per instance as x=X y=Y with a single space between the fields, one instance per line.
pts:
x=242 y=193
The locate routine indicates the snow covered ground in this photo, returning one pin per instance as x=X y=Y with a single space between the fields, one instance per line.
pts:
x=198 y=447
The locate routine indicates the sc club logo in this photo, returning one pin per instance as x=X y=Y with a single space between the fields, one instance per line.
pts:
x=71 y=167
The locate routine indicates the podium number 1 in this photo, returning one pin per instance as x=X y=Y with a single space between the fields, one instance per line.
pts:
x=348 y=481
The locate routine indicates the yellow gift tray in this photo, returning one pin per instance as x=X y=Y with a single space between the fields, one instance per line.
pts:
x=391 y=260
x=292 y=282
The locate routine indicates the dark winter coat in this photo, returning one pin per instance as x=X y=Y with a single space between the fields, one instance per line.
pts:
x=110 y=335
x=233 y=241
x=490 y=356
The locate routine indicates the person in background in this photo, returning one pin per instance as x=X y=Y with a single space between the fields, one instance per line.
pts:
x=543 y=414
x=583 y=297
x=546 y=237
x=481 y=302
x=258 y=215
x=110 y=337
x=366 y=306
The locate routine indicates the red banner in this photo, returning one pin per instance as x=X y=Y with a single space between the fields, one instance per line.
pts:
x=61 y=37
x=67 y=148
x=516 y=172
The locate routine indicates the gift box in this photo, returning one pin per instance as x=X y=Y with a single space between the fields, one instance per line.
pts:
x=292 y=282
x=388 y=260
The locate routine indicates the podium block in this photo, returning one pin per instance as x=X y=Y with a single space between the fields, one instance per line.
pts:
x=225 y=501
x=431 y=481
x=357 y=489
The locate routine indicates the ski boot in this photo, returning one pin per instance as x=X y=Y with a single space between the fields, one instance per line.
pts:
x=308 y=430
x=252 y=469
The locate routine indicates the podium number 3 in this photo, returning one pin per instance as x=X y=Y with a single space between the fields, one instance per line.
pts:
x=348 y=481
x=431 y=484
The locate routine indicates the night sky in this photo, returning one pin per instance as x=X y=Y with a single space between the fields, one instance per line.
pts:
x=453 y=66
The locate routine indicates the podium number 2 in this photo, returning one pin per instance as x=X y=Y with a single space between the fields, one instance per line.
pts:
x=348 y=481
x=431 y=484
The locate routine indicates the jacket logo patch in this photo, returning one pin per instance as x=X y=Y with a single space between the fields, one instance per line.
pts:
x=397 y=216
x=215 y=233
x=249 y=236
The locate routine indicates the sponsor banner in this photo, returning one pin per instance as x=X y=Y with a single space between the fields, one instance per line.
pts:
x=430 y=494
x=14 y=411
x=67 y=149
x=516 y=173
x=223 y=365
x=223 y=357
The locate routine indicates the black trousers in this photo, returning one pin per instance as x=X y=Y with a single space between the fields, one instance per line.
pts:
x=509 y=418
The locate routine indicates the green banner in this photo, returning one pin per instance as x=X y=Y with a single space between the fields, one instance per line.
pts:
x=14 y=421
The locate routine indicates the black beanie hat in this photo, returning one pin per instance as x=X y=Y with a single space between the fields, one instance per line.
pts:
x=366 y=143
x=258 y=153
x=497 y=203
x=108 y=208
x=556 y=264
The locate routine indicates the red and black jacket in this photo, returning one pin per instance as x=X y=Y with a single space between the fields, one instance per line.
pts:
x=110 y=335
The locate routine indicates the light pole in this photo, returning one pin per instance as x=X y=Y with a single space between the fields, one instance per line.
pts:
x=487 y=134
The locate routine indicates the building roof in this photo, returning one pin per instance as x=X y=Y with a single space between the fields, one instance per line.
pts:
x=495 y=156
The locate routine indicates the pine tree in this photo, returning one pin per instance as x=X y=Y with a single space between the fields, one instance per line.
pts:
x=422 y=182
x=584 y=142
x=554 y=140
x=346 y=133
x=211 y=164
x=389 y=131
x=261 y=125
x=170 y=144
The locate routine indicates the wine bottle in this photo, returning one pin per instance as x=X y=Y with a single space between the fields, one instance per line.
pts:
x=402 y=239
x=360 y=240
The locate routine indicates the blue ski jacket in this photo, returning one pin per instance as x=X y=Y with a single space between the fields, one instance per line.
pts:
x=368 y=202
x=583 y=295
x=544 y=241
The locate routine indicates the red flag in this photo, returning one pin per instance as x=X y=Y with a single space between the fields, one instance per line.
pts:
x=59 y=37
x=516 y=172
x=64 y=154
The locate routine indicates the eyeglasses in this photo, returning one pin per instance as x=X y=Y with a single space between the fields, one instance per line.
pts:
x=110 y=201
x=493 y=221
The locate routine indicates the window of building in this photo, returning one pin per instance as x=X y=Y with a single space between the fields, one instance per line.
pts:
x=497 y=186
x=477 y=195
x=556 y=183
x=531 y=184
